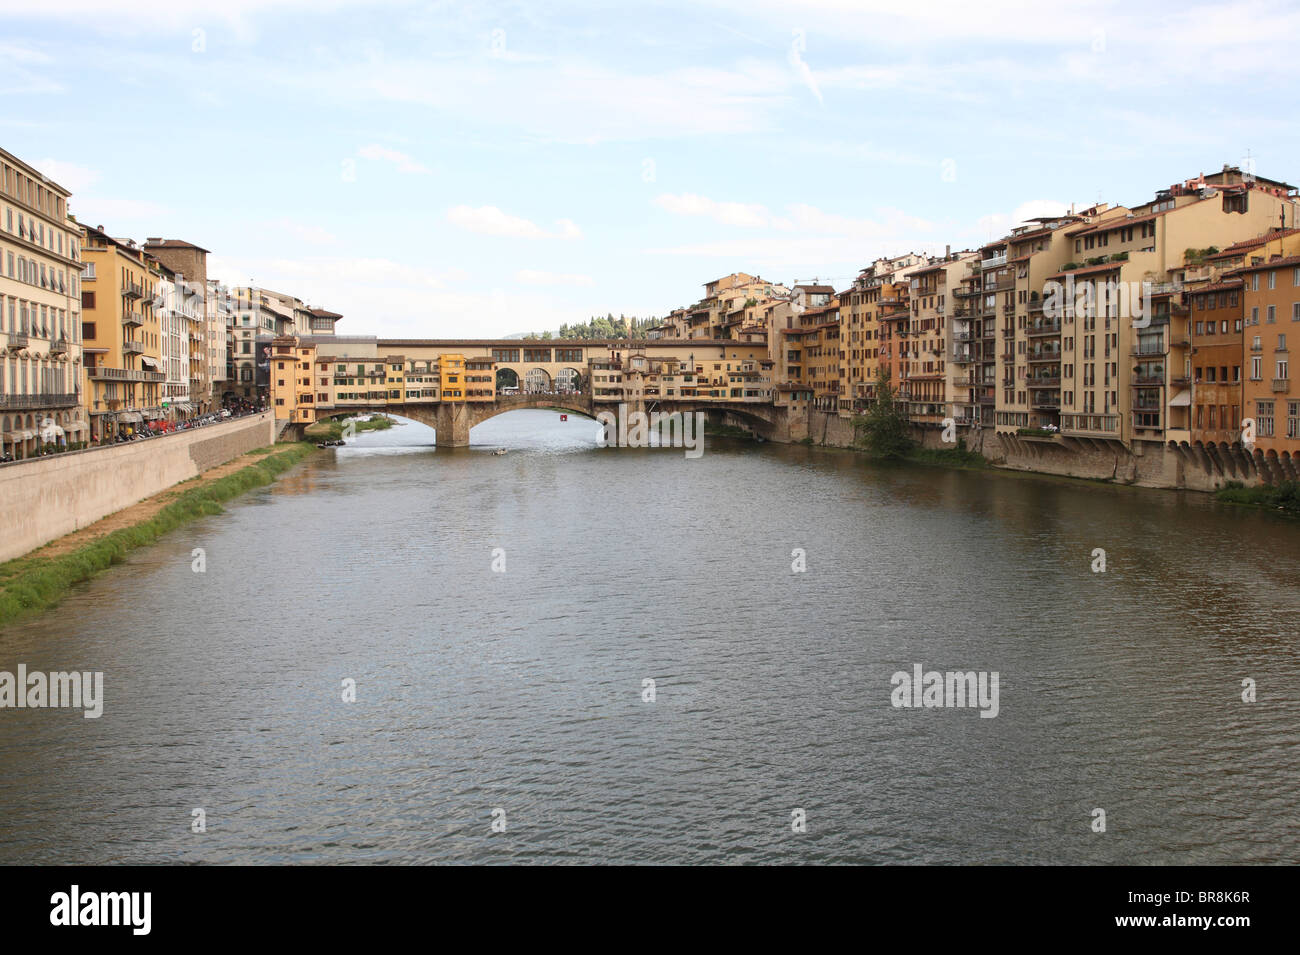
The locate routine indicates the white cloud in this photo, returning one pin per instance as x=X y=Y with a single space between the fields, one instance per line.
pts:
x=537 y=277
x=803 y=72
x=728 y=213
x=114 y=214
x=402 y=161
x=312 y=234
x=490 y=220
x=71 y=176
x=799 y=217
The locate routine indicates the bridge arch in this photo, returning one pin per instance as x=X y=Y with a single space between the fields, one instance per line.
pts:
x=507 y=378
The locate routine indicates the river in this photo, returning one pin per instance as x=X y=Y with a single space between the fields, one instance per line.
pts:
x=522 y=692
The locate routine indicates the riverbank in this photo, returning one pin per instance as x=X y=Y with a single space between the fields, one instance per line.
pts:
x=1280 y=497
x=39 y=580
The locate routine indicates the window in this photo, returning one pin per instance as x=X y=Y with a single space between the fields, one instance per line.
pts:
x=1272 y=279
x=1264 y=419
x=1271 y=315
x=87 y=299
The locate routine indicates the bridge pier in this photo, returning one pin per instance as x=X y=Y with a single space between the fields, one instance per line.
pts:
x=452 y=424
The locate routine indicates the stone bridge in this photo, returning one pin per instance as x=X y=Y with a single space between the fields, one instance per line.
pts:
x=452 y=420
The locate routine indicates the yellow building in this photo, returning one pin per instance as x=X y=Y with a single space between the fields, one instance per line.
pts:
x=40 y=320
x=121 y=336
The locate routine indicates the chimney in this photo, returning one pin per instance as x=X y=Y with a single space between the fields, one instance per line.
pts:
x=947 y=252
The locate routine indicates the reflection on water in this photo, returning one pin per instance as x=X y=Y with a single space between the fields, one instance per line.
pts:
x=522 y=690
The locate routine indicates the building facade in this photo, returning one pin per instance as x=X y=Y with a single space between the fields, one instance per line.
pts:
x=40 y=314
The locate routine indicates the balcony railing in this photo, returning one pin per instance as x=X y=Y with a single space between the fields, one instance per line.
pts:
x=17 y=341
x=1103 y=424
x=1044 y=356
x=130 y=319
x=23 y=402
x=132 y=290
x=1044 y=328
x=59 y=346
x=1281 y=386
x=127 y=374
x=131 y=347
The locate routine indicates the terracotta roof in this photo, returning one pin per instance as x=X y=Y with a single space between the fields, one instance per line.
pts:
x=173 y=244
x=1117 y=222
x=1271 y=264
x=1104 y=267
x=1215 y=287
x=1245 y=245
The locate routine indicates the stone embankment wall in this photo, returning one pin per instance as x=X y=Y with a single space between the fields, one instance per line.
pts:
x=1145 y=464
x=45 y=498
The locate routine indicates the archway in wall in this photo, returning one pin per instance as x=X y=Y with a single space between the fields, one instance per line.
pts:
x=507 y=378
x=568 y=380
x=537 y=380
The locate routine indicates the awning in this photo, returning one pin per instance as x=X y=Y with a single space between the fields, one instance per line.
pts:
x=75 y=426
x=1182 y=399
x=17 y=436
x=129 y=417
x=52 y=431
x=150 y=363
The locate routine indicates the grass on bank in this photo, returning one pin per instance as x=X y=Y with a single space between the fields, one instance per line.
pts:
x=33 y=583
x=331 y=429
x=1282 y=497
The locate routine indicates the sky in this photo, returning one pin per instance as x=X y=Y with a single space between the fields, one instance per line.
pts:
x=476 y=170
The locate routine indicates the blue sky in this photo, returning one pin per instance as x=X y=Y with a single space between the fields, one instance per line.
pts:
x=482 y=169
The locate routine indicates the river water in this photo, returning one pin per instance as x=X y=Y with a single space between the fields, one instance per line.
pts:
x=521 y=692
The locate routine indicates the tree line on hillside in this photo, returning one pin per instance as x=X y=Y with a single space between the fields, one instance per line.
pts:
x=606 y=326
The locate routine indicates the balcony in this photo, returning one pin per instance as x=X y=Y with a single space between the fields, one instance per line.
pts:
x=132 y=290
x=1148 y=380
x=1044 y=381
x=24 y=402
x=993 y=261
x=59 y=346
x=985 y=399
x=17 y=341
x=131 y=347
x=1101 y=425
x=131 y=319
x=125 y=374
x=1281 y=386
x=1045 y=328
x=1041 y=356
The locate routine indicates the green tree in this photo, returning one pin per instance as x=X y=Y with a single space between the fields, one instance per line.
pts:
x=884 y=428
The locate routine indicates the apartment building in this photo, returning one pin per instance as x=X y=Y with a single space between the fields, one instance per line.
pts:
x=188 y=264
x=181 y=321
x=1217 y=357
x=40 y=313
x=1271 y=305
x=121 y=335
x=1125 y=355
x=928 y=377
